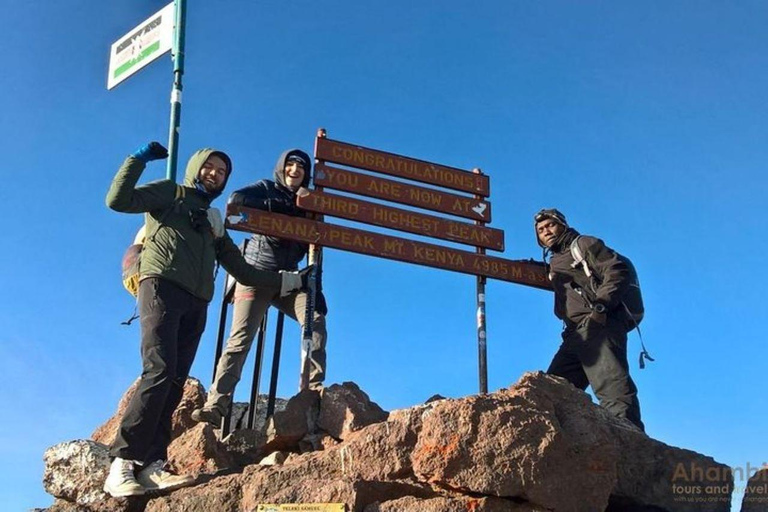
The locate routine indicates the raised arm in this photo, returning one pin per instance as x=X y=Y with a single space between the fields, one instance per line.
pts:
x=124 y=196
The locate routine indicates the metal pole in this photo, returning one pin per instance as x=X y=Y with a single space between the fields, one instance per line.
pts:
x=314 y=257
x=222 y=325
x=257 y=365
x=178 y=70
x=275 y=364
x=482 y=351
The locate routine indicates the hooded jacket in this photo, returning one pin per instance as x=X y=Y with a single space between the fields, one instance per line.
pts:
x=180 y=245
x=268 y=252
x=573 y=293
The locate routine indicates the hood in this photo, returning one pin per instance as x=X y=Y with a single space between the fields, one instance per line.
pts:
x=197 y=160
x=279 y=172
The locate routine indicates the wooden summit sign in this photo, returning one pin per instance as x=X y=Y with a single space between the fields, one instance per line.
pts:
x=404 y=193
x=529 y=273
x=403 y=220
x=363 y=181
x=403 y=167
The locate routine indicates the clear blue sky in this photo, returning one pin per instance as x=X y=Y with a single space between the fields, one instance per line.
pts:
x=645 y=122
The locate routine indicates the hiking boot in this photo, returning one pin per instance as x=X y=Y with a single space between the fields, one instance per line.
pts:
x=155 y=477
x=121 y=481
x=208 y=415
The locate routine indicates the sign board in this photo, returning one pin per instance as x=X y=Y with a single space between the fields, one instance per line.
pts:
x=399 y=219
x=142 y=45
x=302 y=507
x=404 y=193
x=402 y=167
x=529 y=273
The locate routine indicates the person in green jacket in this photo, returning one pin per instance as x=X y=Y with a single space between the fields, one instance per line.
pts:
x=184 y=240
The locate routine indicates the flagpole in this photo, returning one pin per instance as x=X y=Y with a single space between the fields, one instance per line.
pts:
x=180 y=9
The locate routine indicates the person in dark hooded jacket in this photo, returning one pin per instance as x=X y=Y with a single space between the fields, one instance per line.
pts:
x=594 y=347
x=291 y=172
x=185 y=238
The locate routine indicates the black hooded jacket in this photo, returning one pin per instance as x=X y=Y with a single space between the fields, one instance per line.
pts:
x=573 y=293
x=268 y=252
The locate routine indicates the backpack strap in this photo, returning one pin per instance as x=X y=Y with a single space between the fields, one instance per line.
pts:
x=580 y=259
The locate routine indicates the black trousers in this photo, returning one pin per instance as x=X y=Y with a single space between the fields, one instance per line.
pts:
x=596 y=355
x=172 y=322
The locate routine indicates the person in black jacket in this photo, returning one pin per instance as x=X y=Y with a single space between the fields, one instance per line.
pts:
x=594 y=347
x=291 y=172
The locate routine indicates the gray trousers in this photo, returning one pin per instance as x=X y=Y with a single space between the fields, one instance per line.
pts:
x=596 y=355
x=250 y=305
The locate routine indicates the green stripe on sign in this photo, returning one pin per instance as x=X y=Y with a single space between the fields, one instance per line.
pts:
x=146 y=52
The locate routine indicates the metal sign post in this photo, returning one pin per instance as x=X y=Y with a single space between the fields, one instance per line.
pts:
x=178 y=71
x=482 y=348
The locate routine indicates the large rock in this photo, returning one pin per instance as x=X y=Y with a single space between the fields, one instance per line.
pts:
x=756 y=493
x=75 y=471
x=452 y=504
x=539 y=445
x=246 y=446
x=198 y=451
x=346 y=408
x=520 y=443
x=193 y=397
x=222 y=494
x=289 y=426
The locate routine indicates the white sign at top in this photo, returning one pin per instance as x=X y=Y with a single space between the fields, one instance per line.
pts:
x=145 y=43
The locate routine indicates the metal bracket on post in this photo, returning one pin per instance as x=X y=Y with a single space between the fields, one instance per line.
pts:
x=482 y=349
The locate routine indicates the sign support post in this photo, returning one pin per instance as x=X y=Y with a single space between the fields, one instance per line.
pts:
x=482 y=349
x=178 y=70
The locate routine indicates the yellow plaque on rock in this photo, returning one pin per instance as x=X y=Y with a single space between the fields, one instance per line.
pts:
x=302 y=507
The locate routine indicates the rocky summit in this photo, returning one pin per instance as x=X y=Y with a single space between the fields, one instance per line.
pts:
x=539 y=446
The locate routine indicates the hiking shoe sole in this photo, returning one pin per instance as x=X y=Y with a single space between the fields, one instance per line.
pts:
x=124 y=493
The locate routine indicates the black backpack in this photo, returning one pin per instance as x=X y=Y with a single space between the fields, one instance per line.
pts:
x=632 y=301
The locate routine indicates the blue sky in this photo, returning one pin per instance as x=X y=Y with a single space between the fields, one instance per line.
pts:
x=643 y=121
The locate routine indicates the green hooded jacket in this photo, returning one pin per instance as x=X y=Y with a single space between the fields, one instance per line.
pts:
x=175 y=249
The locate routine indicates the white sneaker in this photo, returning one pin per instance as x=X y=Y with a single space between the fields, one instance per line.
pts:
x=155 y=477
x=121 y=481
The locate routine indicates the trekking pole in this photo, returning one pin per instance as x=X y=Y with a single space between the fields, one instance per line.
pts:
x=275 y=364
x=180 y=14
x=315 y=257
x=257 y=371
x=482 y=350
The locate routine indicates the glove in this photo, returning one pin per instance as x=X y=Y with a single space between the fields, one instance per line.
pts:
x=151 y=151
x=293 y=281
x=217 y=223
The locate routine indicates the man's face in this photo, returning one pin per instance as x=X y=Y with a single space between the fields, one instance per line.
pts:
x=294 y=175
x=548 y=230
x=213 y=173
